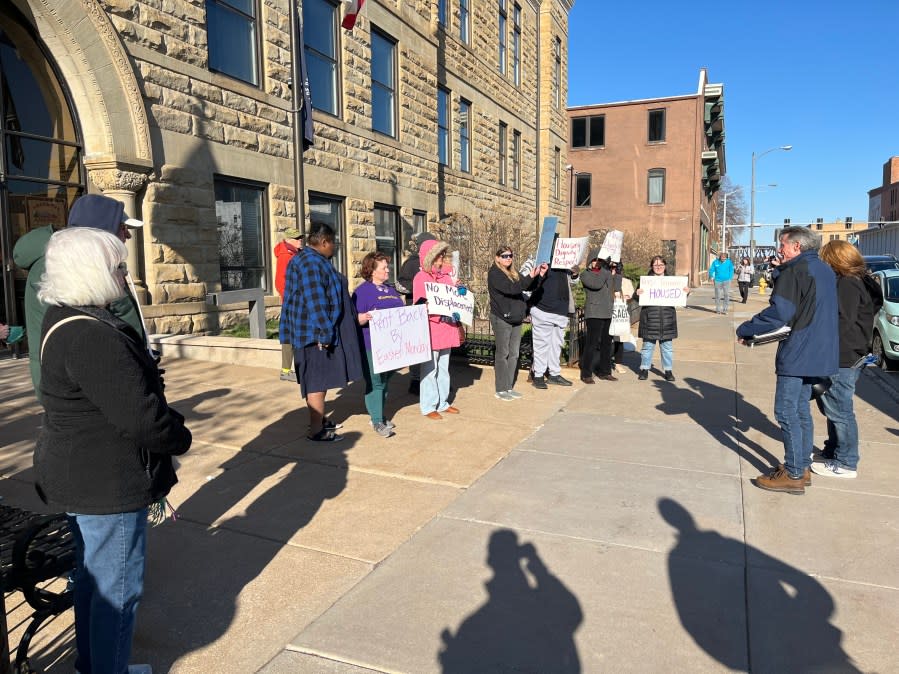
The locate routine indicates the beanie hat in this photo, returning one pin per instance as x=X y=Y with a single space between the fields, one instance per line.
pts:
x=99 y=212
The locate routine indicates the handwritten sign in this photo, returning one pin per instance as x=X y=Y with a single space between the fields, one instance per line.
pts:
x=569 y=252
x=611 y=246
x=399 y=337
x=547 y=236
x=445 y=300
x=663 y=291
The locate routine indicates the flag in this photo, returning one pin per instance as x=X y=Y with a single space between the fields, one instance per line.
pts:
x=352 y=11
x=303 y=99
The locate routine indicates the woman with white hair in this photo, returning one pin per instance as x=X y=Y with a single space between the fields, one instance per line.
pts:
x=104 y=451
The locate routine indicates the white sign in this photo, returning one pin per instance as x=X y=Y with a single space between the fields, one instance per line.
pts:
x=445 y=300
x=399 y=337
x=568 y=253
x=611 y=246
x=663 y=291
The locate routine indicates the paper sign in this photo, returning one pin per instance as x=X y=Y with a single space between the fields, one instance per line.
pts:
x=611 y=246
x=399 y=337
x=663 y=291
x=547 y=236
x=569 y=252
x=445 y=300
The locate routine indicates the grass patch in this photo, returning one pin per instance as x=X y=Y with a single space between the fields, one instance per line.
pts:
x=242 y=329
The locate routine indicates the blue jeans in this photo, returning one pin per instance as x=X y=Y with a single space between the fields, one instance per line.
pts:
x=722 y=295
x=793 y=412
x=435 y=382
x=842 y=429
x=649 y=346
x=109 y=580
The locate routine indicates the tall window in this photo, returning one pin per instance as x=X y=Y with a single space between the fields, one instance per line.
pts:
x=383 y=83
x=656 y=189
x=557 y=72
x=328 y=210
x=516 y=160
x=464 y=21
x=239 y=210
x=443 y=135
x=516 y=44
x=320 y=35
x=503 y=153
x=556 y=169
x=387 y=220
x=231 y=36
x=583 y=187
x=464 y=135
x=588 y=131
x=656 y=126
x=441 y=12
x=503 y=36
x=419 y=225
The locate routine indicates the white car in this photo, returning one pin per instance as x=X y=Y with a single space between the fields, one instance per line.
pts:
x=886 y=321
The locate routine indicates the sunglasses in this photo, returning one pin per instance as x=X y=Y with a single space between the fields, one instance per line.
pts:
x=506 y=256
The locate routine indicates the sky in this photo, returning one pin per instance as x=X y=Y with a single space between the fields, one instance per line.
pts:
x=820 y=76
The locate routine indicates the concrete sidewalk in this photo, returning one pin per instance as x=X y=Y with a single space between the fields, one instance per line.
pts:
x=603 y=528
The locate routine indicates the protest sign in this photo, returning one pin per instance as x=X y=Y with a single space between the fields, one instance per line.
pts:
x=547 y=236
x=445 y=300
x=611 y=246
x=399 y=337
x=569 y=252
x=663 y=291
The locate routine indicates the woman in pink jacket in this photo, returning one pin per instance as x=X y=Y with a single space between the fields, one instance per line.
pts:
x=445 y=334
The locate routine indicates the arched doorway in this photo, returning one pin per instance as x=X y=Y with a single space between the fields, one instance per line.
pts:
x=41 y=170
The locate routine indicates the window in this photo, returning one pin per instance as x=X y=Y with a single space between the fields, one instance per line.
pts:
x=516 y=45
x=441 y=12
x=557 y=73
x=657 y=186
x=464 y=135
x=503 y=36
x=328 y=210
x=387 y=220
x=588 y=131
x=443 y=137
x=516 y=160
x=231 y=36
x=503 y=153
x=656 y=126
x=240 y=213
x=834 y=237
x=419 y=225
x=383 y=84
x=464 y=21
x=320 y=34
x=557 y=164
x=583 y=187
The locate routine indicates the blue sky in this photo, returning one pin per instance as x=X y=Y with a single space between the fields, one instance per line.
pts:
x=820 y=76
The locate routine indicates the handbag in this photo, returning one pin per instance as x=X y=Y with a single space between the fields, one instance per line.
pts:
x=621 y=319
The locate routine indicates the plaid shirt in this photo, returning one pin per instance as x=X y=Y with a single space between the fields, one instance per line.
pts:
x=313 y=301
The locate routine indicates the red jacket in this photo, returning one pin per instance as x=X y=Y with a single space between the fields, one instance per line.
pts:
x=283 y=251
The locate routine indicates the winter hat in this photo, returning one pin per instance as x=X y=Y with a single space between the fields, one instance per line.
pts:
x=292 y=233
x=99 y=212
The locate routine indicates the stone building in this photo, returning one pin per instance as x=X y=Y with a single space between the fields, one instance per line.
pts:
x=182 y=110
x=652 y=164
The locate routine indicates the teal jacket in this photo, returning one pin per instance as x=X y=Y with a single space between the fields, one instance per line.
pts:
x=721 y=271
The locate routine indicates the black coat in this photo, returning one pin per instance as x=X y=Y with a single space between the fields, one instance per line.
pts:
x=657 y=323
x=108 y=434
x=506 y=301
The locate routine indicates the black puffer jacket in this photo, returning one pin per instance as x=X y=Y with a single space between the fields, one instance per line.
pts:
x=108 y=434
x=657 y=323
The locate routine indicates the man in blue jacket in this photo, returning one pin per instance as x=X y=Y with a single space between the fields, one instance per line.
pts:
x=721 y=272
x=805 y=299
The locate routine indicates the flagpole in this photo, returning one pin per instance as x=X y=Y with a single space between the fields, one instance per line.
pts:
x=296 y=86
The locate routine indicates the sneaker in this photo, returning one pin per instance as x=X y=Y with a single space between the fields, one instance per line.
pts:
x=289 y=375
x=504 y=395
x=644 y=374
x=780 y=480
x=833 y=469
x=383 y=430
x=386 y=422
x=325 y=435
x=514 y=394
x=669 y=375
x=539 y=382
x=558 y=380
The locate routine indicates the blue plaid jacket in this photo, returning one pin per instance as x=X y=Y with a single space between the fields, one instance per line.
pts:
x=313 y=301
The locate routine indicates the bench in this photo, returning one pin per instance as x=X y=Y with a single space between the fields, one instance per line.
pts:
x=34 y=549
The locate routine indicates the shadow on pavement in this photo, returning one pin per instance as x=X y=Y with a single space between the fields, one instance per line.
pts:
x=527 y=624
x=788 y=611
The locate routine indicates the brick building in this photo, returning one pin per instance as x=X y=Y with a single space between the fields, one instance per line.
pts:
x=651 y=164
x=182 y=110
x=883 y=201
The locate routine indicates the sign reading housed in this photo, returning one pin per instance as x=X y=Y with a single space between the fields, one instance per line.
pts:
x=663 y=291
x=444 y=300
x=399 y=337
x=568 y=253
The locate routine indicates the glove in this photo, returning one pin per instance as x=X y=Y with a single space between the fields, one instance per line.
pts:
x=462 y=290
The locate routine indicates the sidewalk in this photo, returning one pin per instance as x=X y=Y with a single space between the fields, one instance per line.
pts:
x=603 y=528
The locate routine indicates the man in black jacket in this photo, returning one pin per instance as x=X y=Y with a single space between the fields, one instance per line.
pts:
x=552 y=304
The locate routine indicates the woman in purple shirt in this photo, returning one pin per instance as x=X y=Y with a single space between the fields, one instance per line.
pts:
x=370 y=296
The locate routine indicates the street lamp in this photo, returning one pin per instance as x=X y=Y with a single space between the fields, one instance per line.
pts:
x=785 y=148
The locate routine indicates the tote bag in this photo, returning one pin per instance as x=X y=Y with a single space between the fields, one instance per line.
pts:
x=621 y=319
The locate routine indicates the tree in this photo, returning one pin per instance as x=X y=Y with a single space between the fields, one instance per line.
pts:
x=737 y=212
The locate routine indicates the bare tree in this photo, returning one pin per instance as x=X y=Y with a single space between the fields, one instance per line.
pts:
x=737 y=213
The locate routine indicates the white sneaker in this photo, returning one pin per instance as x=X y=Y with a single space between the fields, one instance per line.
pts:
x=504 y=395
x=514 y=394
x=833 y=469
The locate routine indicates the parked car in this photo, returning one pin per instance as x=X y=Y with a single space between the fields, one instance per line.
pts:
x=886 y=322
x=881 y=262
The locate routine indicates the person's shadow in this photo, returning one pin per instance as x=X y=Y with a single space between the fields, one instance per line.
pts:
x=701 y=401
x=787 y=611
x=527 y=624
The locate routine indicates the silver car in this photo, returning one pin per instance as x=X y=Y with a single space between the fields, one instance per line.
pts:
x=886 y=322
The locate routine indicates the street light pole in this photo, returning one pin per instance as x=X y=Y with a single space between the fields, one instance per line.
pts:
x=785 y=148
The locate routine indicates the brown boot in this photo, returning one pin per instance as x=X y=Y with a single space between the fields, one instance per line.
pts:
x=779 y=480
x=806 y=476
